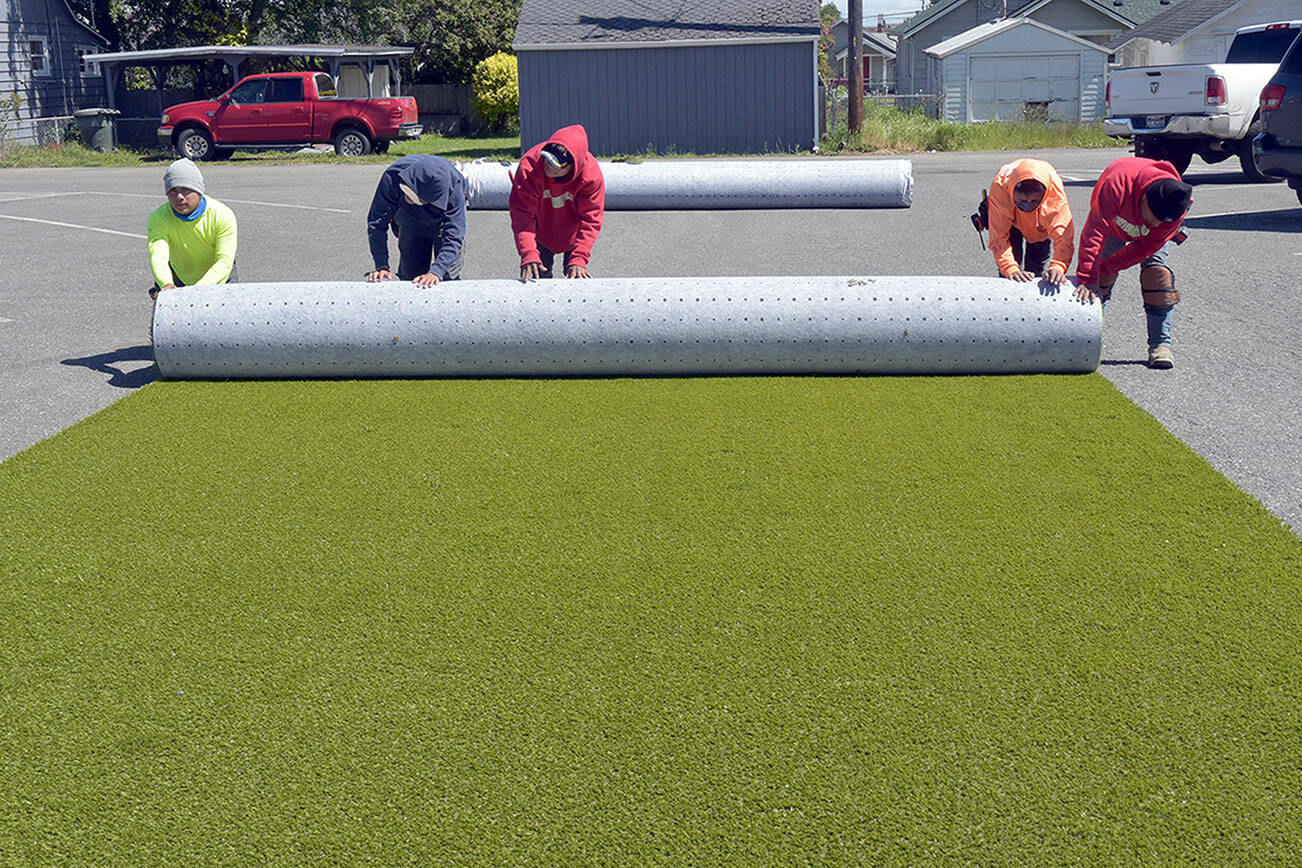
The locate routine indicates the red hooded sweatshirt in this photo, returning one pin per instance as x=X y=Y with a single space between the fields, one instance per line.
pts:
x=1115 y=213
x=564 y=214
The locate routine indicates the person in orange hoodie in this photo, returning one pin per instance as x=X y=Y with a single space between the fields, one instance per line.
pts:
x=557 y=203
x=1136 y=210
x=1028 y=206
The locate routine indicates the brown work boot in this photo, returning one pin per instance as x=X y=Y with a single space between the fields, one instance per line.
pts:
x=1160 y=357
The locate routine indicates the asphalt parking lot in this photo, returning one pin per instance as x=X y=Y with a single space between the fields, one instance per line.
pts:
x=74 y=316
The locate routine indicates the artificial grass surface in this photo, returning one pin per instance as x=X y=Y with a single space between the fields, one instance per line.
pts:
x=874 y=621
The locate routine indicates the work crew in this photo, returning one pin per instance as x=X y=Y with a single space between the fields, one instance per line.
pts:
x=1031 y=229
x=1135 y=212
x=422 y=198
x=557 y=203
x=191 y=238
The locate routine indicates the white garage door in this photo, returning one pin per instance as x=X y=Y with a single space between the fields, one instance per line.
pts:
x=1031 y=86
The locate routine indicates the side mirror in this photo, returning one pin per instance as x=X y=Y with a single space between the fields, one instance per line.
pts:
x=224 y=98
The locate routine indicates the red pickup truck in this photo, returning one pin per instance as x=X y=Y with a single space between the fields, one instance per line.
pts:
x=282 y=110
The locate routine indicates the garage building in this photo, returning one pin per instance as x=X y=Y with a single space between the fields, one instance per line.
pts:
x=664 y=77
x=1020 y=69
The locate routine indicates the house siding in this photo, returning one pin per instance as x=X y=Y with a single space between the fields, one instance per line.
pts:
x=689 y=99
x=64 y=90
x=1211 y=41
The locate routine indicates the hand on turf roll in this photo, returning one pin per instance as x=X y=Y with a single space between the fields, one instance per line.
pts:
x=426 y=280
x=532 y=271
x=379 y=274
x=577 y=271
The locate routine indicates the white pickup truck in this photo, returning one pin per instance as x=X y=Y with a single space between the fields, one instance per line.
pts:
x=1174 y=112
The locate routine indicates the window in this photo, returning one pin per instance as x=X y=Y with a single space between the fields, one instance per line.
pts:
x=38 y=50
x=1262 y=46
x=285 y=90
x=87 y=68
x=325 y=85
x=249 y=92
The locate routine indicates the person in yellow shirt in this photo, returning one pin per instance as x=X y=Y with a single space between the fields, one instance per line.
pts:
x=1031 y=230
x=192 y=238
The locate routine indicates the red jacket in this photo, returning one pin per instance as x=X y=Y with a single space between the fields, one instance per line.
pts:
x=564 y=214
x=1115 y=213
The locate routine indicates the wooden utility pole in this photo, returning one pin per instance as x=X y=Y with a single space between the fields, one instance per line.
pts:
x=854 y=62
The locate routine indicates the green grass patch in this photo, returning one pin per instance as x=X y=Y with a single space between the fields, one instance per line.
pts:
x=891 y=129
x=455 y=148
x=900 y=620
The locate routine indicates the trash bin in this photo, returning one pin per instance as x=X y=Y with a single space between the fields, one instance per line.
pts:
x=96 y=126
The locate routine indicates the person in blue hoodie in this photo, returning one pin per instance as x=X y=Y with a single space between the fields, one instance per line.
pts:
x=423 y=198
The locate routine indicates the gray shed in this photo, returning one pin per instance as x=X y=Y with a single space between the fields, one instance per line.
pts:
x=725 y=76
x=1020 y=69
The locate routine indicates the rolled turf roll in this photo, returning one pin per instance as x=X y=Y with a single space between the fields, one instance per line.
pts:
x=625 y=327
x=704 y=185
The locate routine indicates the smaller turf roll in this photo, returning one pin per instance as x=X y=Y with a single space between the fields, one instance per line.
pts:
x=708 y=185
x=625 y=327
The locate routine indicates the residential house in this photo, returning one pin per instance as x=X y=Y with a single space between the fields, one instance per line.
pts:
x=1196 y=31
x=729 y=76
x=1096 y=21
x=878 y=58
x=1017 y=69
x=45 y=69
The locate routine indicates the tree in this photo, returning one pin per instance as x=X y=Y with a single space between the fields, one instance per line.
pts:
x=828 y=15
x=451 y=36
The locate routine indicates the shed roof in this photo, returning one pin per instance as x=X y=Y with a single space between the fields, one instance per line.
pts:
x=204 y=52
x=982 y=32
x=1177 y=21
x=631 y=23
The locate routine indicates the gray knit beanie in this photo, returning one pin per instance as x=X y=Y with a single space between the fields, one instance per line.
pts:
x=183 y=173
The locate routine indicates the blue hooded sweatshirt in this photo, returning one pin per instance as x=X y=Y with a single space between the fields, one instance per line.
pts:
x=443 y=190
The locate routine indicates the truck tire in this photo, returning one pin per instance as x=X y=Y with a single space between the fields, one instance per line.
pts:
x=195 y=144
x=222 y=153
x=382 y=146
x=352 y=142
x=1246 y=162
x=1158 y=148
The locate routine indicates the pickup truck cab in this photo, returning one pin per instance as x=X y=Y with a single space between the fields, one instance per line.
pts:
x=1174 y=112
x=286 y=110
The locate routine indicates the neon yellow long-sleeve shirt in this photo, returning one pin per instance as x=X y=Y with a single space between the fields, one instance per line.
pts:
x=199 y=251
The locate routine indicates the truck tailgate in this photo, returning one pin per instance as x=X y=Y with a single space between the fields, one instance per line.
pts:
x=1166 y=90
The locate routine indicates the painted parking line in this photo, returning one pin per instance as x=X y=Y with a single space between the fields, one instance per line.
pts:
x=71 y=226
x=30 y=197
x=224 y=199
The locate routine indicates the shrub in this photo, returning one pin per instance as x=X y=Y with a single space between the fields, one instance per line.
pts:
x=497 y=91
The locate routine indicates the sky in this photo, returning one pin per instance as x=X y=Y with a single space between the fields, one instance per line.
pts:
x=895 y=10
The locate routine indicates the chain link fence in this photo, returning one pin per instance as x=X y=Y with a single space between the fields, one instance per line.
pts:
x=837 y=104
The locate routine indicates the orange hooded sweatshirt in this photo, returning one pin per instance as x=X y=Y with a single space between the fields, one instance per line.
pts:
x=1052 y=220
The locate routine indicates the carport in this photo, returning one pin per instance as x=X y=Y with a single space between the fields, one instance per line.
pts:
x=355 y=67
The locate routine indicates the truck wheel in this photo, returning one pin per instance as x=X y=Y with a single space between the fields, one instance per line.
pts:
x=352 y=142
x=1248 y=164
x=222 y=153
x=195 y=144
x=1180 y=158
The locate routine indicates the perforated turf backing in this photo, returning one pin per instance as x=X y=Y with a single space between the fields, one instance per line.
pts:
x=692 y=621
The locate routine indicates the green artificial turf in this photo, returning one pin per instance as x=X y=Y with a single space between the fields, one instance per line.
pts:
x=720 y=621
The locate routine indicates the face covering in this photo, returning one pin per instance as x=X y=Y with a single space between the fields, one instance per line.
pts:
x=1026 y=206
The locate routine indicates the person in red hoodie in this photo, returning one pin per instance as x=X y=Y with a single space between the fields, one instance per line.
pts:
x=1135 y=210
x=558 y=200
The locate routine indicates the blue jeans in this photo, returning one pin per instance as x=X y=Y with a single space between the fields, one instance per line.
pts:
x=1159 y=318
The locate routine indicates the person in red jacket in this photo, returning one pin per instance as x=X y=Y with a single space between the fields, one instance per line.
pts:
x=1135 y=210
x=558 y=200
